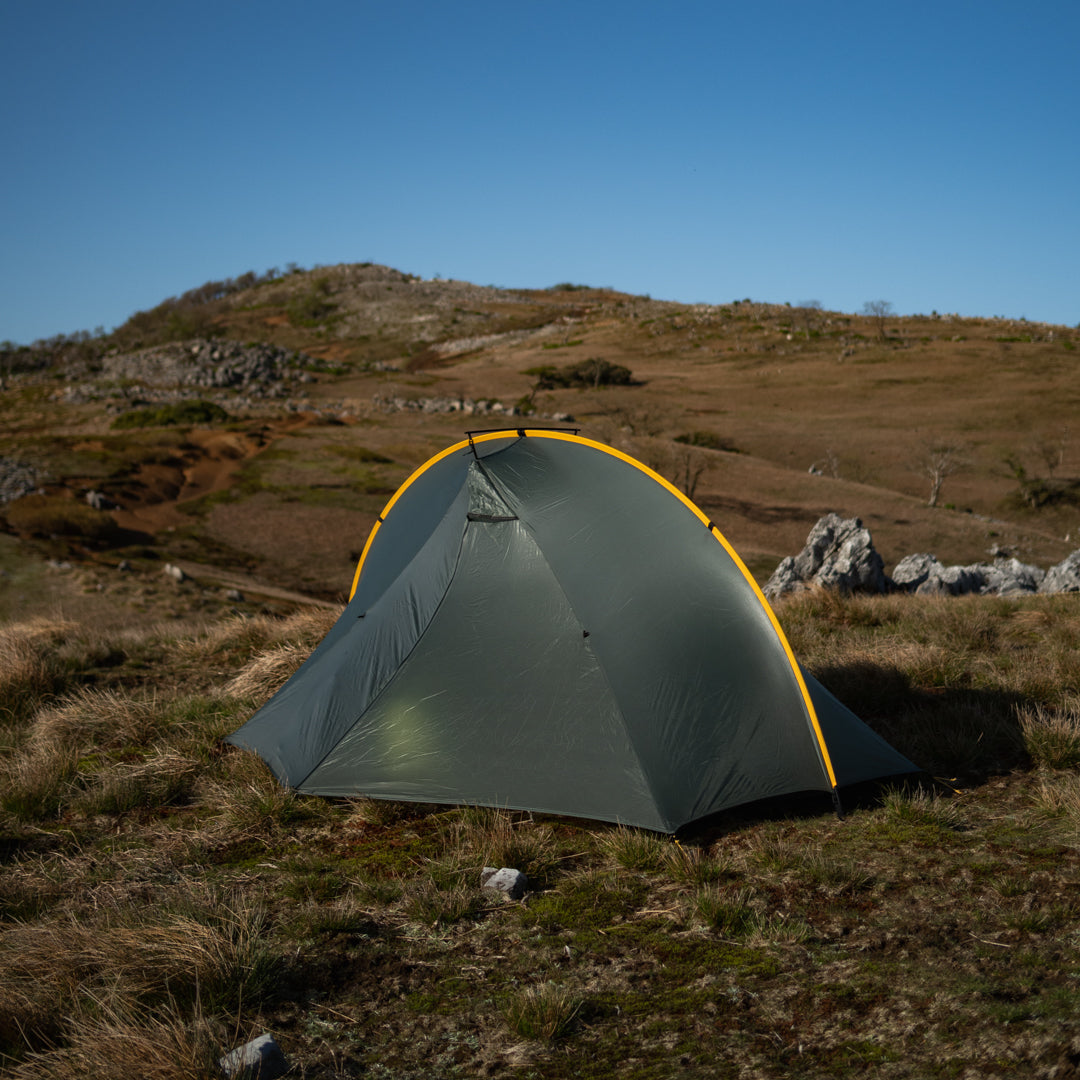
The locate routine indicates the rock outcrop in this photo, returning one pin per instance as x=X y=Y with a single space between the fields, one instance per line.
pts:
x=924 y=575
x=839 y=554
x=1065 y=577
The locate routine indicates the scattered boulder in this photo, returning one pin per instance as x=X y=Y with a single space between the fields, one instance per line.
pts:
x=1065 y=577
x=507 y=880
x=915 y=570
x=1007 y=576
x=924 y=575
x=260 y=1059
x=839 y=554
x=174 y=572
x=99 y=501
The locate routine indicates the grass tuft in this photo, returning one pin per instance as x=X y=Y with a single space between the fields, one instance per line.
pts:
x=546 y=1012
x=1052 y=736
x=636 y=849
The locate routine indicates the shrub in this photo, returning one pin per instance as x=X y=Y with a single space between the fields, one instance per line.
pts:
x=707 y=440
x=312 y=307
x=54 y=515
x=177 y=414
x=592 y=372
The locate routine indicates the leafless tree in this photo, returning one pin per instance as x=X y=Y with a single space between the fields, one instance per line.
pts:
x=690 y=465
x=940 y=460
x=1051 y=449
x=879 y=311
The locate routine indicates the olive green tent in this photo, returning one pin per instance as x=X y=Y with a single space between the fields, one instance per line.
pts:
x=540 y=622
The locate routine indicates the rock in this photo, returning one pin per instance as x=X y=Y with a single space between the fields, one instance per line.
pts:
x=953 y=581
x=99 y=501
x=1010 y=576
x=260 y=1059
x=1065 y=577
x=235 y=595
x=839 y=554
x=174 y=572
x=924 y=575
x=912 y=571
x=509 y=881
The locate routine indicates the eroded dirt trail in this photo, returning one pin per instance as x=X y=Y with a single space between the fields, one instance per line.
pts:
x=152 y=499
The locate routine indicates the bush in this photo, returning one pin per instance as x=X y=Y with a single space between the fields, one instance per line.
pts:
x=312 y=307
x=707 y=440
x=54 y=515
x=593 y=372
x=180 y=413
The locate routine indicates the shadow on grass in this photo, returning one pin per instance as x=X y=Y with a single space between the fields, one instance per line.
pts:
x=969 y=734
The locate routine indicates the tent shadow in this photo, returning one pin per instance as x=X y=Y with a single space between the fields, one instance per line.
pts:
x=960 y=732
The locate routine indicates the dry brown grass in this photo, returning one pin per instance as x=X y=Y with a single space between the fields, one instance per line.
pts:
x=267 y=673
x=1052 y=736
x=30 y=666
x=105 y=1038
x=165 y=888
x=242 y=636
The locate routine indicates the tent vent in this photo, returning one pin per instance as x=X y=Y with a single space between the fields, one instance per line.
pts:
x=474 y=516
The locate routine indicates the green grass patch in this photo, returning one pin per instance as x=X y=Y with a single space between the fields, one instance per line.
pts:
x=177 y=414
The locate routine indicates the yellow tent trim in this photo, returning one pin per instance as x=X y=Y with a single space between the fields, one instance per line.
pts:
x=546 y=433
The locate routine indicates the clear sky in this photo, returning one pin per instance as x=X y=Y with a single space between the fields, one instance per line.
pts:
x=923 y=153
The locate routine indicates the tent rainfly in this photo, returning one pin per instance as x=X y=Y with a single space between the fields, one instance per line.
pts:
x=540 y=622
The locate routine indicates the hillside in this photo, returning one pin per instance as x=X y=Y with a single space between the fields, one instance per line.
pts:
x=336 y=382
x=184 y=501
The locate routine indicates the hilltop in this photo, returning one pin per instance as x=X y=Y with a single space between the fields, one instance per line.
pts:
x=322 y=389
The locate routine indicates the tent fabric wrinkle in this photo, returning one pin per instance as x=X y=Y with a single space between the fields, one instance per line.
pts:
x=540 y=622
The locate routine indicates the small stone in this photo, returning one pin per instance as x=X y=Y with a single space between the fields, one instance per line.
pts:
x=260 y=1059
x=235 y=595
x=507 y=880
x=174 y=572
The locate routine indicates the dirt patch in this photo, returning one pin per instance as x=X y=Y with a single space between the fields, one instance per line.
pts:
x=315 y=550
x=151 y=501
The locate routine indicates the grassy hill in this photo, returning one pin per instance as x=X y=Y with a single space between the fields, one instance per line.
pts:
x=163 y=899
x=738 y=401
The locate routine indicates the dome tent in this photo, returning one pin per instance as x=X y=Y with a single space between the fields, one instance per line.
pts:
x=540 y=622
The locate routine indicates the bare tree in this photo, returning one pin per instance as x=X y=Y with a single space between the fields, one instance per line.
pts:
x=940 y=460
x=1051 y=449
x=690 y=465
x=879 y=311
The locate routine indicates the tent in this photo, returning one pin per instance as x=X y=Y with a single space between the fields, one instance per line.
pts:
x=540 y=622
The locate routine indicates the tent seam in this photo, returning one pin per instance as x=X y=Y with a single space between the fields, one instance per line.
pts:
x=599 y=662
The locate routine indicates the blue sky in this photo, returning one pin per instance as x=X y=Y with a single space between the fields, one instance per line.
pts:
x=923 y=153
